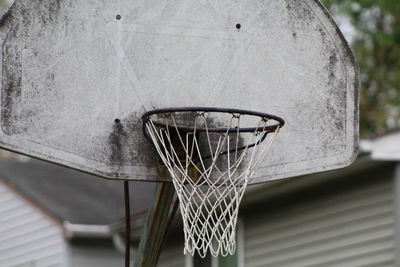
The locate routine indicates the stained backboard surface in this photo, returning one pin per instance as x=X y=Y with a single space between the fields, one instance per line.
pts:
x=77 y=75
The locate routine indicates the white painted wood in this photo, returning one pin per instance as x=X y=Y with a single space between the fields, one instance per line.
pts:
x=240 y=246
x=188 y=260
x=386 y=147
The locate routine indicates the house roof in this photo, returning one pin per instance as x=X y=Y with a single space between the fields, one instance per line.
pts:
x=81 y=198
x=385 y=147
x=70 y=195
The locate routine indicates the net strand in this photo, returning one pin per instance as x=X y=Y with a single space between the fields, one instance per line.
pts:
x=210 y=187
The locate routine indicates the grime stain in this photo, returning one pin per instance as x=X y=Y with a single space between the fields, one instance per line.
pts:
x=11 y=82
x=299 y=14
x=332 y=66
x=117 y=142
x=22 y=21
x=139 y=148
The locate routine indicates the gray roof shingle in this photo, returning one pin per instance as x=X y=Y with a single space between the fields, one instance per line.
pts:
x=73 y=196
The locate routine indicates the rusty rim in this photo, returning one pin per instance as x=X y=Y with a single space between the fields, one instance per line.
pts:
x=200 y=110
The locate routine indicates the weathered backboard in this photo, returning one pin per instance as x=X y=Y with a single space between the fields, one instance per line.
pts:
x=76 y=76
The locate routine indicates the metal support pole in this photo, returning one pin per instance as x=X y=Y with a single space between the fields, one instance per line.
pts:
x=127 y=225
x=158 y=221
x=396 y=205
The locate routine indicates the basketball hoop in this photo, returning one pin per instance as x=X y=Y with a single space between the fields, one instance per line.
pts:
x=211 y=154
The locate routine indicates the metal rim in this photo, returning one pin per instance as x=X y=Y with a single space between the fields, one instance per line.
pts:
x=265 y=116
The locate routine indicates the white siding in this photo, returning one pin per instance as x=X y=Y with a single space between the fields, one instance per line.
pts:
x=27 y=238
x=352 y=228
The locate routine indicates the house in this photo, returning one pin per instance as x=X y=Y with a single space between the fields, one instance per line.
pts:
x=54 y=216
x=346 y=217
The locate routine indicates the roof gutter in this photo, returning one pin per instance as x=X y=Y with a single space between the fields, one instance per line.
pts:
x=72 y=230
x=268 y=190
x=75 y=231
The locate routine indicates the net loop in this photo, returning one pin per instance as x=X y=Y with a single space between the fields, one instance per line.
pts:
x=211 y=155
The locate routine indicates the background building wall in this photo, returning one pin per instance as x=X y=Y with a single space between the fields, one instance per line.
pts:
x=349 y=222
x=27 y=237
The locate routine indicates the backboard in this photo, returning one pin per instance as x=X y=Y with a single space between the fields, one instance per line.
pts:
x=77 y=75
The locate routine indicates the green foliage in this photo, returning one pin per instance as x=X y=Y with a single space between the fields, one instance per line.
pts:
x=376 y=44
x=3 y=5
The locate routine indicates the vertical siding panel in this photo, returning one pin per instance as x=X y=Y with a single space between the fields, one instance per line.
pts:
x=27 y=238
x=351 y=228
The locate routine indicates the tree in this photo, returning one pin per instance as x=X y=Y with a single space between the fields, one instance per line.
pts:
x=3 y=5
x=376 y=44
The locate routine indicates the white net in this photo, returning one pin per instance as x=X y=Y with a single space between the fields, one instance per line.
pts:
x=210 y=170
